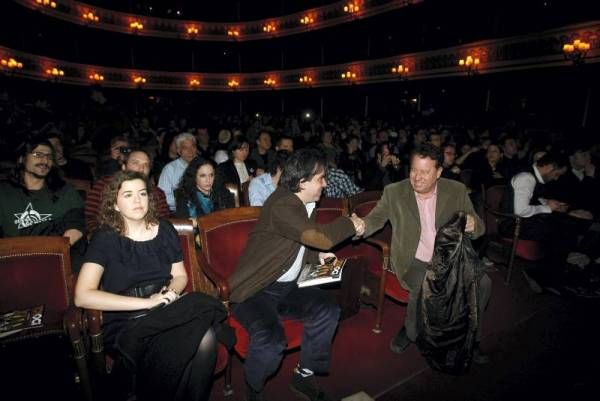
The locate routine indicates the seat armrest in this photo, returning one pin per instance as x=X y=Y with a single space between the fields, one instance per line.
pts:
x=217 y=279
x=73 y=321
x=382 y=245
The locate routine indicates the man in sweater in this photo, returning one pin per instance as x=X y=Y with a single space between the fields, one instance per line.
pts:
x=137 y=160
x=264 y=287
x=36 y=201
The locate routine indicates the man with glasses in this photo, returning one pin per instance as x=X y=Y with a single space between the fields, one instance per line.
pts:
x=36 y=201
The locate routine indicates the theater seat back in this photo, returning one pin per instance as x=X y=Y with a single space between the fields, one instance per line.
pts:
x=224 y=234
x=35 y=271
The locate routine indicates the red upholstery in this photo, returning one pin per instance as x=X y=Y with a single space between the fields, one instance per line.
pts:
x=332 y=203
x=29 y=280
x=37 y=271
x=525 y=249
x=377 y=250
x=223 y=235
x=224 y=244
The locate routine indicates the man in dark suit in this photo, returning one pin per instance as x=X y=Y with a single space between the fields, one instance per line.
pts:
x=416 y=208
x=264 y=287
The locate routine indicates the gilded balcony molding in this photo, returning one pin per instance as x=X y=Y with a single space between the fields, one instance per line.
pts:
x=540 y=50
x=116 y=21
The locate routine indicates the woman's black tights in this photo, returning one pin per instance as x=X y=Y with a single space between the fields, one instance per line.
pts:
x=198 y=374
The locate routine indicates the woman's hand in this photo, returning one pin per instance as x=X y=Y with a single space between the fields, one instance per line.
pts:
x=162 y=297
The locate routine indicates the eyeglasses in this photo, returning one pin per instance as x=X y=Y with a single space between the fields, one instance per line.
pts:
x=42 y=155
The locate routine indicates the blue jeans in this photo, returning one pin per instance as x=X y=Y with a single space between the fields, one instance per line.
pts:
x=261 y=316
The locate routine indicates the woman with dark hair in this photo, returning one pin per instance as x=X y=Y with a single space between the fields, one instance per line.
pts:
x=199 y=193
x=238 y=169
x=138 y=260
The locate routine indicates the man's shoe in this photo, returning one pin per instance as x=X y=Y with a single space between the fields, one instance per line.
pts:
x=307 y=387
x=480 y=357
x=400 y=342
x=535 y=287
x=253 y=395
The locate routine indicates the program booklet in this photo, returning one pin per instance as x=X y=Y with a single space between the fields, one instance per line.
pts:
x=19 y=320
x=321 y=274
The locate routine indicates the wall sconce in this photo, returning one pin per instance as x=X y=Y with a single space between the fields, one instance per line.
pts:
x=401 y=70
x=270 y=27
x=194 y=82
x=470 y=64
x=305 y=80
x=55 y=72
x=136 y=26
x=139 y=80
x=192 y=30
x=351 y=8
x=234 y=33
x=89 y=16
x=46 y=3
x=349 y=76
x=11 y=64
x=307 y=20
x=96 y=77
x=576 y=51
x=270 y=82
x=233 y=84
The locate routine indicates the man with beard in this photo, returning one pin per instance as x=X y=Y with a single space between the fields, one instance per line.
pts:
x=36 y=201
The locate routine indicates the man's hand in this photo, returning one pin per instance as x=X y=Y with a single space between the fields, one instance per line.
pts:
x=325 y=255
x=470 y=225
x=557 y=206
x=359 y=224
x=581 y=214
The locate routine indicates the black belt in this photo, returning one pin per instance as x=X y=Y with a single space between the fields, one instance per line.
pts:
x=145 y=289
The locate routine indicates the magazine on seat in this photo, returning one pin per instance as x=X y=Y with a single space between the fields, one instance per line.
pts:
x=18 y=320
x=313 y=274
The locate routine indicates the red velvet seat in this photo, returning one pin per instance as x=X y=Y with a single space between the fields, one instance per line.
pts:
x=223 y=235
x=37 y=271
x=525 y=249
x=197 y=282
x=377 y=250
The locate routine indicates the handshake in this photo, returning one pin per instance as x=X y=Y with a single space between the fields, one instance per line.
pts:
x=359 y=224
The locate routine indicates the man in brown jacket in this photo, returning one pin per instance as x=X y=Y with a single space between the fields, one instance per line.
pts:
x=264 y=288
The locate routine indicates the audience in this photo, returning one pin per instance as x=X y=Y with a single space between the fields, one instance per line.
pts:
x=137 y=160
x=262 y=155
x=264 y=185
x=545 y=220
x=172 y=172
x=36 y=201
x=237 y=170
x=199 y=193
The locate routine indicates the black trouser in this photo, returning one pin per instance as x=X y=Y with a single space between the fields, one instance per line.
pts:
x=412 y=280
x=261 y=317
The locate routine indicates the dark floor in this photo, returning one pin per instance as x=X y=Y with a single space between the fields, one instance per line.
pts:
x=542 y=346
x=552 y=354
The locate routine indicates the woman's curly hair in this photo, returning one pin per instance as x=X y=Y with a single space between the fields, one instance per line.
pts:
x=108 y=216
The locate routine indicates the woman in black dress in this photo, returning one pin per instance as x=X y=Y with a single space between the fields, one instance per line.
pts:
x=134 y=264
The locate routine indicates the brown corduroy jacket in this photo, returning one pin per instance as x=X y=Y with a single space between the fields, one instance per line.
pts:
x=282 y=228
